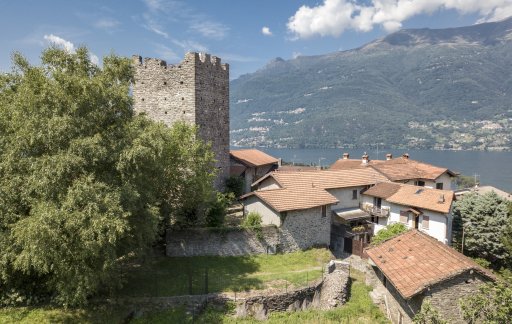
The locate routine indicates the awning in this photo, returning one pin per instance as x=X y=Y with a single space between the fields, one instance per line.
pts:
x=350 y=214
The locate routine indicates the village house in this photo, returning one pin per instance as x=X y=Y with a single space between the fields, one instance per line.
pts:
x=302 y=213
x=426 y=209
x=414 y=267
x=402 y=169
x=250 y=165
x=345 y=186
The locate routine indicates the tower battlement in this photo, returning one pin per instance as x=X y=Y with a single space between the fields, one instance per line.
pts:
x=195 y=90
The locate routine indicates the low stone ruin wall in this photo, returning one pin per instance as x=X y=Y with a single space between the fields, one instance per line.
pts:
x=325 y=294
x=227 y=242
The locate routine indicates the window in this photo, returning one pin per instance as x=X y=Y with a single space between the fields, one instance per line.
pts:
x=425 y=222
x=404 y=217
x=420 y=183
x=375 y=219
x=354 y=194
x=439 y=185
x=324 y=211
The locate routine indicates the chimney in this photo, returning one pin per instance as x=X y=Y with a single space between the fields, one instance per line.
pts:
x=346 y=156
x=366 y=158
x=441 y=199
x=389 y=156
x=405 y=156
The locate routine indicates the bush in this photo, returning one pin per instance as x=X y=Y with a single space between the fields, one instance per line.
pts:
x=252 y=220
x=389 y=232
x=217 y=211
x=235 y=185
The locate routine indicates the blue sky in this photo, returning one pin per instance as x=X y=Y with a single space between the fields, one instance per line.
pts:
x=245 y=33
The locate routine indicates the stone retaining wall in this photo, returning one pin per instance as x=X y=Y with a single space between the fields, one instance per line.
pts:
x=228 y=242
x=327 y=293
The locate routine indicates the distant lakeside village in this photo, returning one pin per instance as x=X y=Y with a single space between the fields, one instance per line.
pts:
x=342 y=207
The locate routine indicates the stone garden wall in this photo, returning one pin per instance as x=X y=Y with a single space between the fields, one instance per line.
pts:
x=229 y=242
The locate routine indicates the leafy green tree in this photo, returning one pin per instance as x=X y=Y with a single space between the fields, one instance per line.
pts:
x=483 y=218
x=492 y=304
x=84 y=183
x=389 y=232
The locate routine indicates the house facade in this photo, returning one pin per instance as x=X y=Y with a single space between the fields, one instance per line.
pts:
x=301 y=214
x=413 y=267
x=251 y=165
x=425 y=209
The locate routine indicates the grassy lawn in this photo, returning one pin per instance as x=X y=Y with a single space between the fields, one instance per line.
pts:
x=180 y=276
x=359 y=309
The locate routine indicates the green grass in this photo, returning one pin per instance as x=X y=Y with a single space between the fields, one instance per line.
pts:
x=359 y=309
x=172 y=276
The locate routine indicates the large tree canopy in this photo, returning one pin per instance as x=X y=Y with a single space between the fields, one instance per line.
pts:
x=483 y=218
x=83 y=182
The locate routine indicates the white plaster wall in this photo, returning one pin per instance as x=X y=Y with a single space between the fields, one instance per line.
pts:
x=446 y=180
x=268 y=183
x=268 y=215
x=344 y=195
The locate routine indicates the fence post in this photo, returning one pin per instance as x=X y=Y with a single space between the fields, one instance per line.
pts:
x=189 y=282
x=206 y=280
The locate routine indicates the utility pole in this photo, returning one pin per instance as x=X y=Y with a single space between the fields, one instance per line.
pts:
x=319 y=162
x=476 y=183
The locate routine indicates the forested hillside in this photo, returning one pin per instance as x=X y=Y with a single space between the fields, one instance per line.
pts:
x=446 y=88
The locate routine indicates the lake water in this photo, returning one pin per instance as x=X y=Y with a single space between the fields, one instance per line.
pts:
x=491 y=168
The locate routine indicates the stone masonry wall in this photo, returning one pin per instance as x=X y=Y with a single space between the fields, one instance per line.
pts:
x=238 y=241
x=195 y=91
x=444 y=297
x=235 y=242
x=305 y=228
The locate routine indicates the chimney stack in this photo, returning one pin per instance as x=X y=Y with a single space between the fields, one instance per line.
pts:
x=405 y=156
x=441 y=199
x=389 y=156
x=366 y=158
x=346 y=156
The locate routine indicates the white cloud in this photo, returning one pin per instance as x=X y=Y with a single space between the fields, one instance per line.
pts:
x=166 y=53
x=162 y=12
x=106 y=23
x=94 y=59
x=296 y=54
x=209 y=29
x=190 y=45
x=61 y=42
x=69 y=46
x=151 y=24
x=266 y=31
x=333 y=17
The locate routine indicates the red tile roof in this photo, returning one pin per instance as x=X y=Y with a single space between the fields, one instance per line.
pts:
x=326 y=179
x=414 y=261
x=414 y=196
x=287 y=199
x=396 y=169
x=253 y=157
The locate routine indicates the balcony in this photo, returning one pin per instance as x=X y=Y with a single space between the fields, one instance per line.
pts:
x=362 y=229
x=374 y=210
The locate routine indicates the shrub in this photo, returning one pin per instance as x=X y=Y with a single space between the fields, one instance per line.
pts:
x=235 y=185
x=216 y=213
x=389 y=232
x=252 y=220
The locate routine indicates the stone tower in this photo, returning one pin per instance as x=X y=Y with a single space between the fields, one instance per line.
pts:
x=195 y=91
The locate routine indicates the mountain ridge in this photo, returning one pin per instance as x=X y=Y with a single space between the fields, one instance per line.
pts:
x=416 y=88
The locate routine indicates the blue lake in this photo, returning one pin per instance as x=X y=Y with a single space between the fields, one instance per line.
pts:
x=491 y=168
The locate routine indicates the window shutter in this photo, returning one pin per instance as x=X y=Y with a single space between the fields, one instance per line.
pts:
x=404 y=217
x=425 y=222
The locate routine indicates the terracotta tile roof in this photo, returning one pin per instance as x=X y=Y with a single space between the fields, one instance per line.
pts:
x=414 y=261
x=253 y=157
x=287 y=199
x=405 y=169
x=396 y=169
x=413 y=196
x=327 y=179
